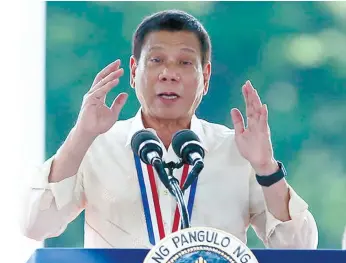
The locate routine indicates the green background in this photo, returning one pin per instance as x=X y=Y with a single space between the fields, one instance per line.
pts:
x=293 y=52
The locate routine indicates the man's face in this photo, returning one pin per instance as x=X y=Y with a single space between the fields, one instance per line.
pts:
x=169 y=79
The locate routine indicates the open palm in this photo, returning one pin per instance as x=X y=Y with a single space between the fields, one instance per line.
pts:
x=95 y=116
x=253 y=141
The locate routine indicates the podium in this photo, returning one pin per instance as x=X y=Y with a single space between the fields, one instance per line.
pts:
x=56 y=255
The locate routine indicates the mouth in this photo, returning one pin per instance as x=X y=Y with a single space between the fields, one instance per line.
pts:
x=168 y=95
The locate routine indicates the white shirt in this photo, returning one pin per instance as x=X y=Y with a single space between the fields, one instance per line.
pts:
x=343 y=244
x=227 y=195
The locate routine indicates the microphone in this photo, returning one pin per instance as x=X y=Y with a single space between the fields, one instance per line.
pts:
x=187 y=146
x=147 y=146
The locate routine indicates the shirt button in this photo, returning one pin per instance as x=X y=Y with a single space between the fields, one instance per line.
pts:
x=165 y=192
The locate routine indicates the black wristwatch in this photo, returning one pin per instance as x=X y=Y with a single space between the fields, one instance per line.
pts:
x=269 y=180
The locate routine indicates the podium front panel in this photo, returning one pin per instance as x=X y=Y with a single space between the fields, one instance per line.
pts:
x=66 y=255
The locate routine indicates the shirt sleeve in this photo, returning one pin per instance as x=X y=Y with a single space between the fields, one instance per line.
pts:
x=49 y=207
x=343 y=245
x=298 y=233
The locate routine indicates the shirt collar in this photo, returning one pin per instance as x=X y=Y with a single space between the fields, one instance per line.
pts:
x=137 y=124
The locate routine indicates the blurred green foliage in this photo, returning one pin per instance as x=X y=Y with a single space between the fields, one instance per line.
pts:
x=293 y=52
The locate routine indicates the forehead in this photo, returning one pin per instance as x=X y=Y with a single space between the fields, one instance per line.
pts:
x=165 y=40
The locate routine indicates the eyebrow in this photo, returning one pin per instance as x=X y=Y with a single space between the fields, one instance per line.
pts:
x=185 y=49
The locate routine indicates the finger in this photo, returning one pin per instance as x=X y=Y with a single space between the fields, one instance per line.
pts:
x=118 y=104
x=257 y=100
x=238 y=121
x=114 y=75
x=101 y=92
x=255 y=105
x=248 y=103
x=264 y=118
x=106 y=71
x=254 y=97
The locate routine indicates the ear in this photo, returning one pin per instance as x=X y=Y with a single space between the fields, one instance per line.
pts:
x=206 y=77
x=133 y=67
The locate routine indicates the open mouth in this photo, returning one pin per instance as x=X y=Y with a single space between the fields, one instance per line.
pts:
x=168 y=95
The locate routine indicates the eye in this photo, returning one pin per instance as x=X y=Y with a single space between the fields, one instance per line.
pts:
x=156 y=60
x=185 y=62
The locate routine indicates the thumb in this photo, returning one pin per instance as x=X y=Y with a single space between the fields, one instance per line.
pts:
x=238 y=121
x=118 y=104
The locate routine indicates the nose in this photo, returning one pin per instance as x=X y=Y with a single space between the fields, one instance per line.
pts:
x=169 y=75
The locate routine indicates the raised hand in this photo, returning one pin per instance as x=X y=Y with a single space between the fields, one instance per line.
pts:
x=95 y=116
x=253 y=141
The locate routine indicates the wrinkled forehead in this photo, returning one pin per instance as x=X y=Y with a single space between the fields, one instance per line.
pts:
x=178 y=41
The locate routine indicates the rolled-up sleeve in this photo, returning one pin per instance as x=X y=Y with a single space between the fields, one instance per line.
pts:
x=299 y=233
x=49 y=207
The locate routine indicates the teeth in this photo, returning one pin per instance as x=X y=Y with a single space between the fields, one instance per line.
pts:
x=169 y=97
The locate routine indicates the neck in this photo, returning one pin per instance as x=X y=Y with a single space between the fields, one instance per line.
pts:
x=165 y=128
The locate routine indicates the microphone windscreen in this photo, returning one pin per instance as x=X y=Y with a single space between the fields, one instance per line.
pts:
x=182 y=137
x=141 y=136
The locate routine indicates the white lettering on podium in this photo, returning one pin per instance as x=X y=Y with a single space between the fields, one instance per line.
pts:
x=200 y=236
x=239 y=252
x=160 y=254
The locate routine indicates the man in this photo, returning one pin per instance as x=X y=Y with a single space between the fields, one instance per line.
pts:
x=125 y=203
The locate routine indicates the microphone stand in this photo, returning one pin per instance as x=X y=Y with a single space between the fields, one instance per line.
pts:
x=172 y=184
x=178 y=193
x=179 y=196
x=192 y=176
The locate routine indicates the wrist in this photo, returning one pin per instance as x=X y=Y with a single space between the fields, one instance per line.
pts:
x=267 y=168
x=268 y=180
x=81 y=136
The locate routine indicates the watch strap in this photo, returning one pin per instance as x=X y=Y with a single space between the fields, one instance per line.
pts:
x=268 y=180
